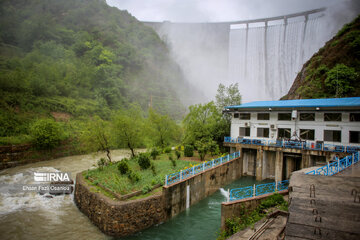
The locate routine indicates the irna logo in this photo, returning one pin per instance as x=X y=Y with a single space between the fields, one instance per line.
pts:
x=52 y=177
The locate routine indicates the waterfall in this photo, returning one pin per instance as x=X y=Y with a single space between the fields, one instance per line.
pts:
x=265 y=60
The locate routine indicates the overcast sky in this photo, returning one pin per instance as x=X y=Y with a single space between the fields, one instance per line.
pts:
x=215 y=10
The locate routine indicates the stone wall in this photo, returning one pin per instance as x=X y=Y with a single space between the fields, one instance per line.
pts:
x=118 y=218
x=241 y=207
x=16 y=155
x=200 y=186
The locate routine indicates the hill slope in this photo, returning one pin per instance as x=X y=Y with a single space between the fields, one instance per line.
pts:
x=79 y=58
x=334 y=71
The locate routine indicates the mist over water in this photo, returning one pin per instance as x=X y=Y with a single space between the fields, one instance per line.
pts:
x=214 y=53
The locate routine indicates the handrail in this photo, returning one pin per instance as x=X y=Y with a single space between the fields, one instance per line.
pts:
x=257 y=190
x=336 y=166
x=189 y=172
x=295 y=144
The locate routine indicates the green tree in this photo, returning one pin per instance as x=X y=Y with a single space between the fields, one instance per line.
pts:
x=46 y=133
x=128 y=128
x=340 y=80
x=227 y=96
x=204 y=146
x=162 y=130
x=97 y=136
x=204 y=121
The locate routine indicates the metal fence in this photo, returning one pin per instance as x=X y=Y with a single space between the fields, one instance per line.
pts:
x=187 y=173
x=257 y=190
x=336 y=166
x=295 y=144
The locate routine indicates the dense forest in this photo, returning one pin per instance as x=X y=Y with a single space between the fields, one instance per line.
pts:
x=334 y=71
x=72 y=59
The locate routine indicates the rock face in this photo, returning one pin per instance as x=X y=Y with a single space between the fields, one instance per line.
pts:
x=334 y=71
x=116 y=218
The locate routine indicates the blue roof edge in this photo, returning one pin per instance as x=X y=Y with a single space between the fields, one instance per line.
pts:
x=302 y=103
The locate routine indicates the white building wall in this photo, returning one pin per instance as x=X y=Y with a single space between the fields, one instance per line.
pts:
x=319 y=125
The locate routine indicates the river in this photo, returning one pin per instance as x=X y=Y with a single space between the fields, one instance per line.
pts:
x=33 y=216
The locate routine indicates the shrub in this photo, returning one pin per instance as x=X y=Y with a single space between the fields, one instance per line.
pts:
x=188 y=151
x=154 y=153
x=178 y=154
x=143 y=161
x=173 y=162
x=167 y=150
x=133 y=176
x=123 y=166
x=146 y=189
x=46 y=133
x=101 y=163
x=153 y=169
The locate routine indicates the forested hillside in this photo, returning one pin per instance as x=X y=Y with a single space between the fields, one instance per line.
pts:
x=79 y=58
x=334 y=71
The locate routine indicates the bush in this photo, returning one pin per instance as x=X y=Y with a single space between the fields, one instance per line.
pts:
x=173 y=162
x=133 y=176
x=188 y=151
x=46 y=133
x=178 y=154
x=123 y=166
x=143 y=161
x=153 y=169
x=101 y=163
x=154 y=153
x=146 y=189
x=167 y=150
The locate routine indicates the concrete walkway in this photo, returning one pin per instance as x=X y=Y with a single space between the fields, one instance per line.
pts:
x=323 y=207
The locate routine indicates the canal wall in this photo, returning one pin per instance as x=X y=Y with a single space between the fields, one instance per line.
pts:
x=118 y=218
x=242 y=207
x=122 y=218
x=181 y=195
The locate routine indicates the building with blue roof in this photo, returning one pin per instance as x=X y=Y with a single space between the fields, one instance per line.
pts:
x=325 y=125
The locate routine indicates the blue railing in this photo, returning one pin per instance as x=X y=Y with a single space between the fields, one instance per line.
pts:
x=189 y=172
x=257 y=190
x=336 y=166
x=295 y=144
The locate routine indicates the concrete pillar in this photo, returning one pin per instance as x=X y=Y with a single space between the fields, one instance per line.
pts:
x=259 y=164
x=278 y=165
x=305 y=160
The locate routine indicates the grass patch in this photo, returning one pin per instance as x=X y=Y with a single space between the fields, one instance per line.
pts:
x=236 y=224
x=111 y=178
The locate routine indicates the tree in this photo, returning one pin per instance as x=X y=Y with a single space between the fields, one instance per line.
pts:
x=46 y=133
x=128 y=128
x=227 y=96
x=204 y=121
x=161 y=129
x=97 y=136
x=340 y=79
x=203 y=146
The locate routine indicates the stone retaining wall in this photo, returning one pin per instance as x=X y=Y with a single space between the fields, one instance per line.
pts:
x=238 y=208
x=118 y=218
x=16 y=155
x=122 y=218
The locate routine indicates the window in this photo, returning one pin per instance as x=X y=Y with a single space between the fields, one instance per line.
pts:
x=336 y=117
x=236 y=115
x=354 y=117
x=307 y=134
x=284 y=133
x=332 y=136
x=244 y=132
x=263 y=116
x=263 y=132
x=307 y=116
x=284 y=116
x=245 y=116
x=354 y=137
